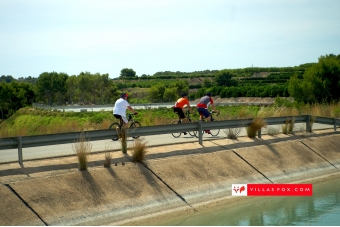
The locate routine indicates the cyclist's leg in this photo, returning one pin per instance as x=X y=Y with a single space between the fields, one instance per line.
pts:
x=182 y=117
x=116 y=125
x=179 y=113
x=204 y=112
x=124 y=121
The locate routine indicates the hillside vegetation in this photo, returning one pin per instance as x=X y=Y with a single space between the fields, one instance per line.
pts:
x=307 y=83
x=28 y=121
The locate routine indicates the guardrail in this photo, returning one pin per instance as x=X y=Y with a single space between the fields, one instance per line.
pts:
x=63 y=138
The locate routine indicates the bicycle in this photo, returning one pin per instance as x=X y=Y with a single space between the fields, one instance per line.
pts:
x=118 y=125
x=213 y=132
x=179 y=121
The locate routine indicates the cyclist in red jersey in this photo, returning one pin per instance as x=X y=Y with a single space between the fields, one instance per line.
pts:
x=202 y=107
x=180 y=104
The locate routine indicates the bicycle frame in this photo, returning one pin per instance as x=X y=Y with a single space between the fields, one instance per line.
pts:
x=120 y=123
x=211 y=115
x=187 y=116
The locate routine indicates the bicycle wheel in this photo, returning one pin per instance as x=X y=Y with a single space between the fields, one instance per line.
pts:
x=193 y=133
x=214 y=132
x=114 y=126
x=176 y=134
x=134 y=125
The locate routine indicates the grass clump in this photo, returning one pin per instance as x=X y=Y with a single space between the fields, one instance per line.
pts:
x=272 y=131
x=255 y=126
x=232 y=133
x=288 y=127
x=107 y=160
x=139 y=150
x=108 y=156
x=82 y=149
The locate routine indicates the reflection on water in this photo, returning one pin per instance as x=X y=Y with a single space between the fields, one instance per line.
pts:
x=323 y=208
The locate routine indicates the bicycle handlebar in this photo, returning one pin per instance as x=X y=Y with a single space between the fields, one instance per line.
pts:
x=217 y=112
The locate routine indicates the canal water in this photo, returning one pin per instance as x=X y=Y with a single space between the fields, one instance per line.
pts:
x=323 y=208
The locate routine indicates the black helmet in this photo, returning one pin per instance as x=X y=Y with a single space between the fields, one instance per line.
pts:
x=123 y=95
x=209 y=94
x=184 y=94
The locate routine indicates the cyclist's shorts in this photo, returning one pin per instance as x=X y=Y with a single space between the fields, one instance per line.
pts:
x=179 y=111
x=117 y=116
x=203 y=111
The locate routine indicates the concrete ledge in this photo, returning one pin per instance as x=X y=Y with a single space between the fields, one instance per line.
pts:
x=14 y=212
x=113 y=195
x=175 y=177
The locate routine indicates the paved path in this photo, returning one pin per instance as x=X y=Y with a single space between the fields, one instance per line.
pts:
x=11 y=155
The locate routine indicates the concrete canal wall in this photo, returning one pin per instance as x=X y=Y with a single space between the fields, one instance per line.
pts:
x=174 y=178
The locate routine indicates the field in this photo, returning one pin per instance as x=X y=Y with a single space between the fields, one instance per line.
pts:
x=29 y=121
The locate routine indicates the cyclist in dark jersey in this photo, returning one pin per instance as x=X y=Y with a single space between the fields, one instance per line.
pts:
x=202 y=107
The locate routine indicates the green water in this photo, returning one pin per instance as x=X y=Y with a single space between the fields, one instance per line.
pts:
x=323 y=208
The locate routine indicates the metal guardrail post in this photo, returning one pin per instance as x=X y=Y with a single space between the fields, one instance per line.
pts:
x=200 y=133
x=334 y=124
x=20 y=150
x=308 y=129
x=259 y=133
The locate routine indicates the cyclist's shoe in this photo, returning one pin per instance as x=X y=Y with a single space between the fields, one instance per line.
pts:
x=114 y=139
x=185 y=133
x=207 y=131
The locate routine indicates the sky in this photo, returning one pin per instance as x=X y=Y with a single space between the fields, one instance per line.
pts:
x=149 y=36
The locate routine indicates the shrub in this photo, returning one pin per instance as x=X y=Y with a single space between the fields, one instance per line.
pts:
x=139 y=151
x=288 y=126
x=255 y=126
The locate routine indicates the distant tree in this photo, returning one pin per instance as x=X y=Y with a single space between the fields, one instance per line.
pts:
x=72 y=86
x=6 y=79
x=85 y=86
x=14 y=96
x=223 y=78
x=127 y=74
x=320 y=82
x=207 y=83
x=156 y=92
x=51 y=86
x=170 y=94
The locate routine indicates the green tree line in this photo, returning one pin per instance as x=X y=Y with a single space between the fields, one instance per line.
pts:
x=308 y=83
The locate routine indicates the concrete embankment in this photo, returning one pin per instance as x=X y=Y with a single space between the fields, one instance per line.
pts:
x=174 y=178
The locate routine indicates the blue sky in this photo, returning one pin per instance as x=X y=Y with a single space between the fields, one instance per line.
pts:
x=149 y=36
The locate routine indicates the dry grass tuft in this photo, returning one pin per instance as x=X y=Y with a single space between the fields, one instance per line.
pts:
x=106 y=124
x=255 y=126
x=107 y=160
x=288 y=127
x=312 y=120
x=272 y=130
x=82 y=149
x=245 y=113
x=232 y=133
x=108 y=156
x=139 y=150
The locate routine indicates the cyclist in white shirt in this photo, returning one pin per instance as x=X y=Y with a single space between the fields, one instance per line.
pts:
x=119 y=110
